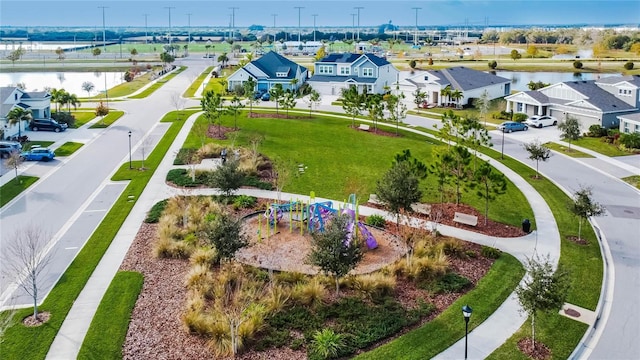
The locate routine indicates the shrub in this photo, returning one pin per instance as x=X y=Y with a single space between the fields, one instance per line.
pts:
x=375 y=286
x=128 y=76
x=628 y=65
x=153 y=216
x=451 y=282
x=210 y=150
x=454 y=247
x=492 y=64
x=430 y=61
x=204 y=257
x=257 y=183
x=490 y=252
x=181 y=177
x=520 y=117
x=577 y=64
x=277 y=298
x=166 y=248
x=377 y=221
x=184 y=156
x=287 y=277
x=310 y=293
x=429 y=267
x=244 y=202
x=326 y=344
x=630 y=141
x=199 y=279
x=412 y=64
x=64 y=118
x=596 y=130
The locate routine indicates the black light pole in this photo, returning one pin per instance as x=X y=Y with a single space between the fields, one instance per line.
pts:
x=130 y=167
x=466 y=312
x=502 y=151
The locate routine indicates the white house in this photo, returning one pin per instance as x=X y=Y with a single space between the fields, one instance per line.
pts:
x=470 y=83
x=630 y=123
x=367 y=72
x=603 y=102
x=39 y=102
x=270 y=69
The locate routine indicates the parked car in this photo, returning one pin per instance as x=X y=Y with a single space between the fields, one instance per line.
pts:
x=266 y=97
x=510 y=126
x=7 y=147
x=38 y=154
x=258 y=94
x=47 y=124
x=541 y=121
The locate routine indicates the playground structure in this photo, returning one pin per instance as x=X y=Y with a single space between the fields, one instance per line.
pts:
x=313 y=216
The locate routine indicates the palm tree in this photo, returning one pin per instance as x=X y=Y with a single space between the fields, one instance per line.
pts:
x=446 y=92
x=293 y=82
x=72 y=100
x=456 y=95
x=55 y=97
x=17 y=115
x=223 y=59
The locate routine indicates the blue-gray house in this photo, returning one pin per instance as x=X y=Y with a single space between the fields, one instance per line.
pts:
x=270 y=69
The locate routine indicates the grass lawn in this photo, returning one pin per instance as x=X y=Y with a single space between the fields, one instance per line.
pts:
x=29 y=144
x=109 y=326
x=127 y=88
x=634 y=180
x=597 y=145
x=443 y=331
x=191 y=90
x=14 y=187
x=148 y=91
x=340 y=161
x=566 y=151
x=71 y=283
x=83 y=117
x=107 y=120
x=68 y=148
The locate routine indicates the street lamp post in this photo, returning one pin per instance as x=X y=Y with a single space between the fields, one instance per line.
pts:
x=502 y=150
x=104 y=30
x=169 y=8
x=130 y=167
x=299 y=29
x=314 y=26
x=358 y=8
x=466 y=312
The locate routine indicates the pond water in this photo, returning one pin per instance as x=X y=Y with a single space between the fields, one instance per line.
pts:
x=70 y=81
x=520 y=79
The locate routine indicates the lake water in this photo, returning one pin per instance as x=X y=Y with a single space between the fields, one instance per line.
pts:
x=520 y=79
x=70 y=81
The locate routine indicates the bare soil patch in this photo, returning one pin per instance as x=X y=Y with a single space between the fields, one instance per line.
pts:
x=577 y=240
x=539 y=352
x=31 y=321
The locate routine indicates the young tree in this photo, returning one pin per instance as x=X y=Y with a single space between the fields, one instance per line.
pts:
x=249 y=88
x=537 y=152
x=102 y=111
x=276 y=93
x=460 y=171
x=27 y=259
x=234 y=108
x=482 y=104
x=441 y=168
x=178 y=102
x=226 y=234
x=14 y=161
x=17 y=115
x=399 y=188
x=228 y=178
x=515 y=55
x=60 y=52
x=288 y=101
x=542 y=290
x=584 y=206
x=475 y=136
x=397 y=109
x=212 y=103
x=375 y=109
x=351 y=103
x=490 y=184
x=419 y=97
x=15 y=55
x=449 y=129
x=96 y=52
x=332 y=253
x=532 y=51
x=570 y=129
x=88 y=87
x=313 y=99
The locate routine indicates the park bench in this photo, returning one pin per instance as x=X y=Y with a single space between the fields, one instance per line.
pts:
x=363 y=127
x=465 y=219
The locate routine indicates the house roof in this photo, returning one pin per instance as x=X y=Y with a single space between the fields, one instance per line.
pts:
x=348 y=58
x=328 y=78
x=35 y=95
x=462 y=78
x=5 y=91
x=272 y=62
x=538 y=96
x=599 y=98
x=612 y=80
x=633 y=116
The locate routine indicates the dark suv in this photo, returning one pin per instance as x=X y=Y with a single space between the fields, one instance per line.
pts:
x=47 y=124
x=7 y=147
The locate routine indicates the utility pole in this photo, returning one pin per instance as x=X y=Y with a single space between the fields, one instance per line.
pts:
x=189 y=28
x=353 y=27
x=233 y=20
x=274 y=26
x=104 y=30
x=415 y=37
x=146 y=38
x=169 y=8
x=299 y=30
x=314 y=26
x=358 y=8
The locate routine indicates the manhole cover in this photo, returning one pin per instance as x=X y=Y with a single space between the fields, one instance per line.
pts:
x=572 y=312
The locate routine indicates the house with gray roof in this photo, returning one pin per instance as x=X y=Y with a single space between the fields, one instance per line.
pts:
x=367 y=72
x=469 y=82
x=268 y=70
x=603 y=101
x=39 y=102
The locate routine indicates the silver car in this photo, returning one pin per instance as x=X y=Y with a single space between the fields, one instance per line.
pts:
x=540 y=121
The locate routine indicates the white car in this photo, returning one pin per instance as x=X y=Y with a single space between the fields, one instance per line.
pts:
x=541 y=121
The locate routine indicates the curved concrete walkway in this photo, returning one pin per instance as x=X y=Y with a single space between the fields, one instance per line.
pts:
x=501 y=325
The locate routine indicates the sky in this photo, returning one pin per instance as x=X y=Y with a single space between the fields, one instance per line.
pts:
x=216 y=13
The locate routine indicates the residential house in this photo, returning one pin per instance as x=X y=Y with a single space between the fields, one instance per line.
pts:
x=603 y=102
x=367 y=72
x=468 y=82
x=39 y=102
x=630 y=123
x=268 y=70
